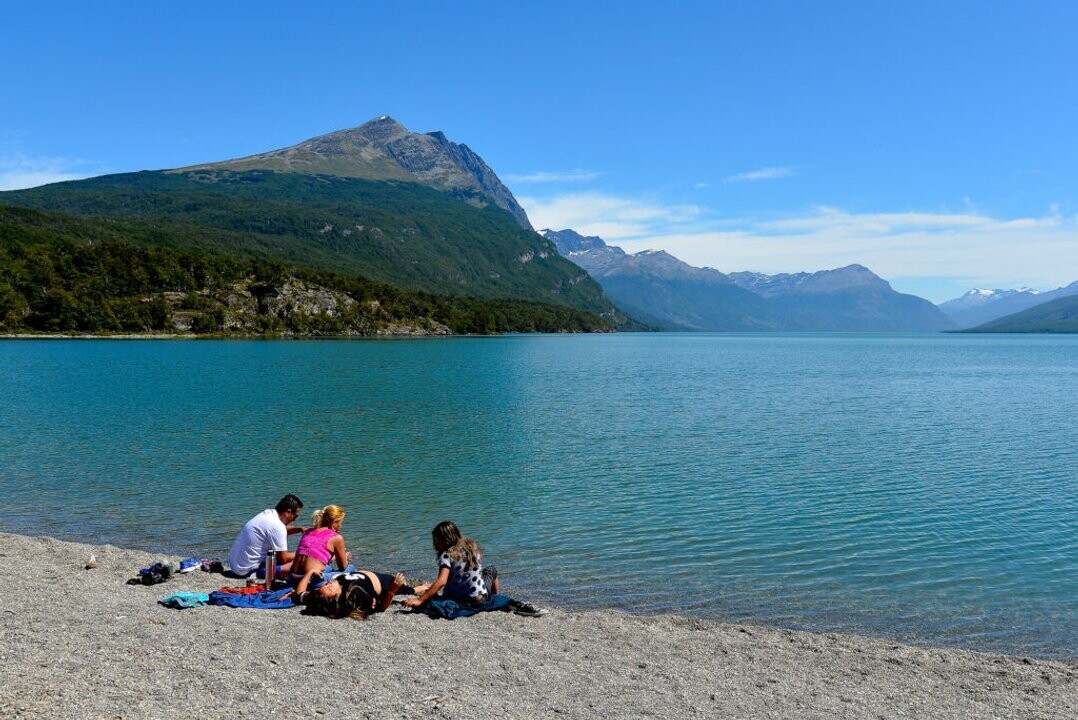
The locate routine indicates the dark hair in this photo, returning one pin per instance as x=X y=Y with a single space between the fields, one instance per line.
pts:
x=289 y=503
x=354 y=602
x=446 y=534
x=447 y=539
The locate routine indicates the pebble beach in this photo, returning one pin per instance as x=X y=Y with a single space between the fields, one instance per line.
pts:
x=83 y=644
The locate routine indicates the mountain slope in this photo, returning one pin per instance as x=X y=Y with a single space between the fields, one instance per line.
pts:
x=849 y=299
x=1056 y=316
x=659 y=288
x=402 y=232
x=980 y=306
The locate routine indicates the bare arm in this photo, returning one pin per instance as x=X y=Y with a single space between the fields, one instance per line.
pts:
x=443 y=578
x=390 y=592
x=293 y=529
x=301 y=586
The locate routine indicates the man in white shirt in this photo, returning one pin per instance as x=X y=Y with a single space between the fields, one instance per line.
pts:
x=268 y=530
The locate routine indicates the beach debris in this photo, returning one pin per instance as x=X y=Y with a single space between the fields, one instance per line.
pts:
x=92 y=562
x=434 y=698
x=158 y=572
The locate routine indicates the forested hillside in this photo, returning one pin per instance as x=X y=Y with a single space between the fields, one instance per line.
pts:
x=65 y=274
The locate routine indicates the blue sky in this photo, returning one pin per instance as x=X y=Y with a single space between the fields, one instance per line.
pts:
x=932 y=142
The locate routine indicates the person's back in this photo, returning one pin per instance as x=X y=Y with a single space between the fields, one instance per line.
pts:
x=465 y=581
x=315 y=544
x=264 y=532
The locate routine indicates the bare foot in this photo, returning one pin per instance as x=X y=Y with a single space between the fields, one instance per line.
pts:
x=420 y=589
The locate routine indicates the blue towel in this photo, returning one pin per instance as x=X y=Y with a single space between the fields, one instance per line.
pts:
x=182 y=600
x=451 y=609
x=264 y=600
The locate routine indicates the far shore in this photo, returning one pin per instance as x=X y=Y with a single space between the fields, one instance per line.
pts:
x=82 y=643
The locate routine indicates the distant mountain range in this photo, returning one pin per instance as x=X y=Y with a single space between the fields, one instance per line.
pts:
x=411 y=210
x=1055 y=316
x=656 y=287
x=981 y=306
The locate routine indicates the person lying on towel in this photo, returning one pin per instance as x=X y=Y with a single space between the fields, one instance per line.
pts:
x=355 y=595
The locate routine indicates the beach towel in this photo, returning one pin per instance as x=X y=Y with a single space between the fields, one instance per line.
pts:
x=242 y=590
x=261 y=601
x=451 y=609
x=184 y=600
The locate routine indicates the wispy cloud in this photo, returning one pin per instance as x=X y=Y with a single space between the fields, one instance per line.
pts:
x=19 y=170
x=1040 y=251
x=768 y=173
x=609 y=216
x=541 y=176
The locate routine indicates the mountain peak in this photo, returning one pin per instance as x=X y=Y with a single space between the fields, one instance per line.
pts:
x=381 y=129
x=383 y=149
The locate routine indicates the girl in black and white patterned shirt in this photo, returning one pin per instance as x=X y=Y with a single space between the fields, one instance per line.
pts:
x=461 y=575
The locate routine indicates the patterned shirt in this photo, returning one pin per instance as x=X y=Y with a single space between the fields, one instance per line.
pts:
x=464 y=583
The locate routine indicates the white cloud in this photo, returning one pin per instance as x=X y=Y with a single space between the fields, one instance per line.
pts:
x=768 y=173
x=1040 y=252
x=21 y=171
x=608 y=216
x=542 y=176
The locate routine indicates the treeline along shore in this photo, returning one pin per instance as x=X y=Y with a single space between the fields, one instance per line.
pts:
x=81 y=643
x=61 y=274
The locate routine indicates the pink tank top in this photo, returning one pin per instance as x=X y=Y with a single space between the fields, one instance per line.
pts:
x=314 y=544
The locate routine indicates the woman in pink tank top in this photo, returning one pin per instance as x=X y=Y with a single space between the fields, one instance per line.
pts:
x=320 y=545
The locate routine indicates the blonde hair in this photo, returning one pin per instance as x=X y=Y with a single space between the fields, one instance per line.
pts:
x=328 y=516
x=448 y=540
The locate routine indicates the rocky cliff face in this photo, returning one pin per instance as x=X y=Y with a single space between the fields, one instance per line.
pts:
x=570 y=241
x=293 y=307
x=383 y=149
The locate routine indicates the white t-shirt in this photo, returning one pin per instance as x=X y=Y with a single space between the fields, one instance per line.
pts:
x=262 y=533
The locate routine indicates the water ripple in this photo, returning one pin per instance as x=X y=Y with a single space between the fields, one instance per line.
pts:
x=916 y=487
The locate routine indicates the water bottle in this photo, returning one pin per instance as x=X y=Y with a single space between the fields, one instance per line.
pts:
x=271 y=568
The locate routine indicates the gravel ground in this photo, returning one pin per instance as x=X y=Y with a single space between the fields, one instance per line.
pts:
x=81 y=644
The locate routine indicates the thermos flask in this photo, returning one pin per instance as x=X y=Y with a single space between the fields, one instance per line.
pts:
x=271 y=568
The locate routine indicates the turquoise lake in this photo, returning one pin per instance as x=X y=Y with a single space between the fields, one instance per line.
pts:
x=916 y=487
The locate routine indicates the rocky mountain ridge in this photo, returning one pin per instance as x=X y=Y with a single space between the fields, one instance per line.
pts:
x=383 y=149
x=823 y=281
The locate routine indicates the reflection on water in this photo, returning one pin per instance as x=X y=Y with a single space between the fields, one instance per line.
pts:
x=919 y=487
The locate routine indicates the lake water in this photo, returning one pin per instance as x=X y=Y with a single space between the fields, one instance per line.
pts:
x=916 y=487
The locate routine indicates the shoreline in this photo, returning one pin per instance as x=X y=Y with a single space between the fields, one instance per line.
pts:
x=81 y=643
